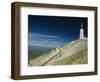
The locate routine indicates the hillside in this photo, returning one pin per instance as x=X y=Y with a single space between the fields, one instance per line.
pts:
x=74 y=52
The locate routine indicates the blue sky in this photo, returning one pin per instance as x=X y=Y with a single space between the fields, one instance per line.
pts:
x=51 y=31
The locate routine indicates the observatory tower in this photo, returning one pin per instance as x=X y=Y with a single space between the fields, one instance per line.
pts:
x=81 y=32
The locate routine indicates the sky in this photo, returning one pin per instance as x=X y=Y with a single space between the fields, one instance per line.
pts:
x=50 y=31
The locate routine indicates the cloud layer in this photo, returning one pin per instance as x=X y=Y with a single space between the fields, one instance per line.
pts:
x=35 y=39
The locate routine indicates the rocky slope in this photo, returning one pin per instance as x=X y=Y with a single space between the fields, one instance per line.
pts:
x=74 y=52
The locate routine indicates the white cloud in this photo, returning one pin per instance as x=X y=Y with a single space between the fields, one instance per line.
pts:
x=41 y=35
x=43 y=40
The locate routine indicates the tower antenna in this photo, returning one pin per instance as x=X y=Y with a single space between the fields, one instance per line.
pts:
x=81 y=24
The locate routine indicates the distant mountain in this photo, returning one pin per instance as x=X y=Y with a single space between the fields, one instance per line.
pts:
x=74 y=52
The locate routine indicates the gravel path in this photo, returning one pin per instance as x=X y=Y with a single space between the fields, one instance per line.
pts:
x=45 y=58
